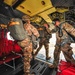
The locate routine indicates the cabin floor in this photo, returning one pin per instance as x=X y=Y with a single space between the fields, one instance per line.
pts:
x=38 y=68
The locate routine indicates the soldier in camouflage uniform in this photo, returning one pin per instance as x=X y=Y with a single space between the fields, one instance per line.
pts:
x=44 y=40
x=27 y=53
x=27 y=44
x=63 y=41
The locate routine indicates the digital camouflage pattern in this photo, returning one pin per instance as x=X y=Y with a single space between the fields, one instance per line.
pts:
x=31 y=30
x=63 y=43
x=44 y=40
x=27 y=44
x=27 y=54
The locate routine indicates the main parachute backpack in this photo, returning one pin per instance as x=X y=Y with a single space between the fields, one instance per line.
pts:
x=16 y=29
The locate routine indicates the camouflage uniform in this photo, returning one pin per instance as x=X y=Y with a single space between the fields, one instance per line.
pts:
x=63 y=43
x=27 y=44
x=44 y=40
x=31 y=30
x=27 y=53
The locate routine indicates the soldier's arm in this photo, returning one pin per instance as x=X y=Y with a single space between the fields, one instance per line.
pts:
x=69 y=28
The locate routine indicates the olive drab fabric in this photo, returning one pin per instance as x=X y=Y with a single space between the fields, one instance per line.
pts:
x=16 y=29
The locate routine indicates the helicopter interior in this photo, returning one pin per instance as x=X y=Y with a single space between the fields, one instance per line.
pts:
x=40 y=12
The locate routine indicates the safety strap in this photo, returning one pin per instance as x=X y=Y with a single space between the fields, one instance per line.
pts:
x=14 y=23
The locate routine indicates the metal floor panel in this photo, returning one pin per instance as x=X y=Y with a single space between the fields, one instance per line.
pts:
x=39 y=68
x=7 y=70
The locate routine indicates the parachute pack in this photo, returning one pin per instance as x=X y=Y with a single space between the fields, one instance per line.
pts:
x=16 y=29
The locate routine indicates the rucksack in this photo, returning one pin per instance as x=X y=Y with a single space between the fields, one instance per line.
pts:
x=71 y=36
x=16 y=29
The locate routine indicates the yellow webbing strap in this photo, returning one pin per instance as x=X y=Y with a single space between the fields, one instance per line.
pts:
x=14 y=23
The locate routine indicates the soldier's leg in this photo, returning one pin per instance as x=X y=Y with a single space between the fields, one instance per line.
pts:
x=56 y=56
x=40 y=46
x=27 y=51
x=46 y=45
x=27 y=58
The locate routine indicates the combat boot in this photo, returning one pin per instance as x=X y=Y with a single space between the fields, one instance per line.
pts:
x=47 y=58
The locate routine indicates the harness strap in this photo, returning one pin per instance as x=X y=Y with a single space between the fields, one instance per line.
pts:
x=14 y=23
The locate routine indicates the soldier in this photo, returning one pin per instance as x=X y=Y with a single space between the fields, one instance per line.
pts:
x=44 y=40
x=27 y=50
x=63 y=41
x=23 y=39
x=28 y=43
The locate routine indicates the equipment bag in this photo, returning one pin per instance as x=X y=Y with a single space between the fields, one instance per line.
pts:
x=16 y=29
